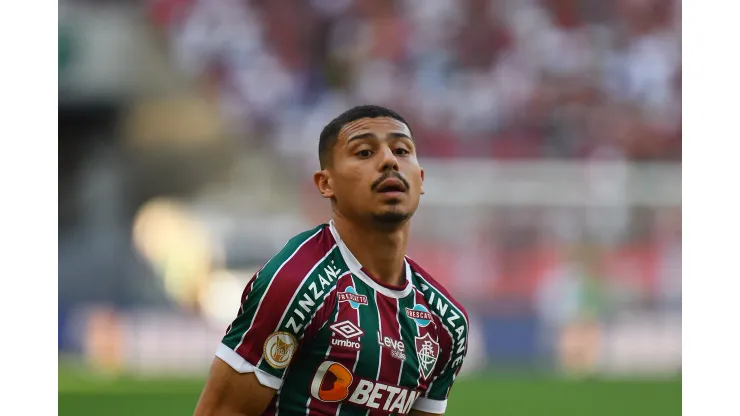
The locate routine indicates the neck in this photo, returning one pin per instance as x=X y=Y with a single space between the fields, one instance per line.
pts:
x=380 y=251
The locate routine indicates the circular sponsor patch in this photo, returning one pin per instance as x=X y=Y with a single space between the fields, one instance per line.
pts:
x=352 y=303
x=279 y=348
x=420 y=314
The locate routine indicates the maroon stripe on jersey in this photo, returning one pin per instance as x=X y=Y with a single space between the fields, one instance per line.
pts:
x=432 y=329
x=406 y=348
x=390 y=365
x=416 y=268
x=343 y=356
x=280 y=292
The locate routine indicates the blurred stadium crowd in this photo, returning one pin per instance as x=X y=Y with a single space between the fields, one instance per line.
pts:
x=550 y=131
x=491 y=78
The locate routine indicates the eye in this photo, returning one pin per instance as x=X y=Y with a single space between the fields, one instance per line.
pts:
x=401 y=151
x=364 y=153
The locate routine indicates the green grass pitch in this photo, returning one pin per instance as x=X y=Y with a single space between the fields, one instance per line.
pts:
x=86 y=395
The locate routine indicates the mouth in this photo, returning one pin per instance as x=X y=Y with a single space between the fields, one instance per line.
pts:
x=391 y=186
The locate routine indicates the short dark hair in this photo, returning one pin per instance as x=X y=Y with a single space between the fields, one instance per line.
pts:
x=329 y=134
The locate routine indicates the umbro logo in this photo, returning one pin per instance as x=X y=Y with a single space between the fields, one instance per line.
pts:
x=346 y=329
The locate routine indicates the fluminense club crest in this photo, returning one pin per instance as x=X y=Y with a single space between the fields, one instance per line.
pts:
x=427 y=350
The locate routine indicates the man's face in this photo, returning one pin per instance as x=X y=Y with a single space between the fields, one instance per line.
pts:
x=374 y=172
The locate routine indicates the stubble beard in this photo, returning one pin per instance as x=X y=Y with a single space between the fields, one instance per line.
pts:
x=391 y=218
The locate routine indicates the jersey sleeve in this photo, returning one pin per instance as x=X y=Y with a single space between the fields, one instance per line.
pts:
x=455 y=330
x=435 y=399
x=278 y=304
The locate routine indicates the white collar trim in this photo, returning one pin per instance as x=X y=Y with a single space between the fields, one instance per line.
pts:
x=356 y=268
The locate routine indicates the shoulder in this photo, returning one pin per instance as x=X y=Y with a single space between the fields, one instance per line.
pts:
x=449 y=313
x=301 y=253
x=441 y=303
x=288 y=290
x=436 y=295
x=302 y=271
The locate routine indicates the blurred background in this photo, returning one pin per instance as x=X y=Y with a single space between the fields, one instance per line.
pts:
x=550 y=131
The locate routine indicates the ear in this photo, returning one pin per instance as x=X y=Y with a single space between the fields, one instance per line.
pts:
x=322 y=180
x=422 y=181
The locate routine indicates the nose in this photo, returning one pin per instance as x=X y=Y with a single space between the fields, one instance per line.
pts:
x=389 y=161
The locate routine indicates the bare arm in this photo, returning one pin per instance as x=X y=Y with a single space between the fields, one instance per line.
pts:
x=229 y=393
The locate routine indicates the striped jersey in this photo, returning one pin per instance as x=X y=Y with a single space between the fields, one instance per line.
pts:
x=332 y=340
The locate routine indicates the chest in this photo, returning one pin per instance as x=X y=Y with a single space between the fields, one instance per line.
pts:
x=382 y=340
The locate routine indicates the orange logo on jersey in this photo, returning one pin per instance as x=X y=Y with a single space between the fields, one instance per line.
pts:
x=331 y=382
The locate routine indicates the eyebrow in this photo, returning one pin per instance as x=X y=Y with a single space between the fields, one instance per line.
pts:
x=371 y=135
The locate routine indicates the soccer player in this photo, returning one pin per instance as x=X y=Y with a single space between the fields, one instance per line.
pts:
x=340 y=321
